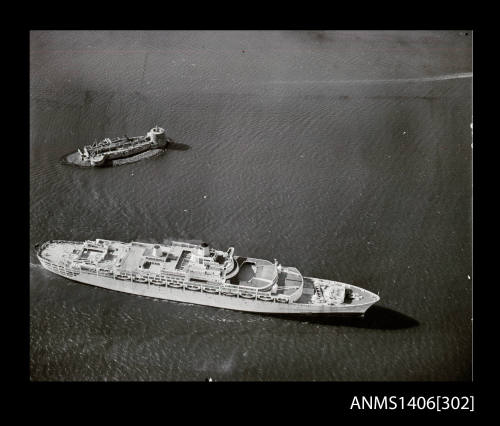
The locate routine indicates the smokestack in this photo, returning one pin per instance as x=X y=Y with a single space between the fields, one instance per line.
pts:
x=157 y=136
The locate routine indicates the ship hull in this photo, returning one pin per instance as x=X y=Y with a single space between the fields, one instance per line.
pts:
x=109 y=157
x=107 y=151
x=200 y=297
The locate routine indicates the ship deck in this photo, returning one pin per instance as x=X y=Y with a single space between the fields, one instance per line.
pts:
x=58 y=251
x=137 y=252
x=256 y=273
x=307 y=292
x=361 y=296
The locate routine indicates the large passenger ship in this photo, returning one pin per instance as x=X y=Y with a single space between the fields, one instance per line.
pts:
x=199 y=274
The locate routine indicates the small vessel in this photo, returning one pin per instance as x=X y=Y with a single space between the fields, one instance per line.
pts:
x=104 y=152
x=199 y=274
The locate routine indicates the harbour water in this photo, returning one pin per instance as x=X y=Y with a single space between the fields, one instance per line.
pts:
x=344 y=154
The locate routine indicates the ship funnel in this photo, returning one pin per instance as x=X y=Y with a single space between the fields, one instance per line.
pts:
x=206 y=249
x=157 y=250
x=157 y=135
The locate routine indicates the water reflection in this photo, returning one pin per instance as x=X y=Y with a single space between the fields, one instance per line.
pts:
x=377 y=317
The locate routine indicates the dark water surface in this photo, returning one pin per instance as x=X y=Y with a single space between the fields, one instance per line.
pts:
x=344 y=154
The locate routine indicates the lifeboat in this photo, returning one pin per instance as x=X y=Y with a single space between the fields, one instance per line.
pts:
x=247 y=295
x=174 y=285
x=281 y=299
x=265 y=297
x=123 y=277
x=140 y=280
x=210 y=290
x=87 y=267
x=158 y=282
x=228 y=293
x=193 y=287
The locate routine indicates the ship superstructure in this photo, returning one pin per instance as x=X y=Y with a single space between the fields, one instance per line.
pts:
x=198 y=274
x=99 y=153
